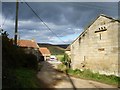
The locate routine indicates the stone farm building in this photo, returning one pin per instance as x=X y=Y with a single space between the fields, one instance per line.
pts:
x=45 y=53
x=97 y=47
x=30 y=46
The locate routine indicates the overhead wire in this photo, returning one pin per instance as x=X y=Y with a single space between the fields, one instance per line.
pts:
x=43 y=22
x=47 y=25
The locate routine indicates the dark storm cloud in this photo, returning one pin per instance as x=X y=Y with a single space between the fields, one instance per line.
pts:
x=63 y=18
x=59 y=13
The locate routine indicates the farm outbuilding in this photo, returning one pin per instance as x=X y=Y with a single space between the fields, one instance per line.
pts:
x=97 y=48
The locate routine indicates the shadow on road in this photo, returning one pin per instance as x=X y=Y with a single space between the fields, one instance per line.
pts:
x=74 y=88
x=51 y=77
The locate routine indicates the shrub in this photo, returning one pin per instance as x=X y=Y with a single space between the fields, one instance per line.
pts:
x=31 y=62
x=77 y=71
x=66 y=61
x=13 y=58
x=9 y=79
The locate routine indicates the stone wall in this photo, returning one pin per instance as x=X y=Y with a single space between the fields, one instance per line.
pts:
x=97 y=47
x=68 y=53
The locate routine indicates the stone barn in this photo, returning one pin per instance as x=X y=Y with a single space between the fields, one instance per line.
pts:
x=97 y=47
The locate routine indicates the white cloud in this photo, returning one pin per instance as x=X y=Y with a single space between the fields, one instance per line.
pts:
x=31 y=29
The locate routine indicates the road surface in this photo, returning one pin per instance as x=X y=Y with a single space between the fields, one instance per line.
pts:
x=49 y=75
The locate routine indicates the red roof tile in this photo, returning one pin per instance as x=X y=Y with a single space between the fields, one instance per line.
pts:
x=28 y=43
x=44 y=50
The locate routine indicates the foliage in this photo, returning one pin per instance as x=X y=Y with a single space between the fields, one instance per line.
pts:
x=88 y=74
x=9 y=79
x=66 y=60
x=14 y=58
x=21 y=78
x=59 y=57
x=62 y=67
x=27 y=78
x=31 y=61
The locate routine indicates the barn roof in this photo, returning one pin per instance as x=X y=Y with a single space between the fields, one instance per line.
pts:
x=44 y=50
x=27 y=43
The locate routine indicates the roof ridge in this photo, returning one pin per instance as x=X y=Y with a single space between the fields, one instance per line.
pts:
x=84 y=30
x=43 y=47
x=110 y=17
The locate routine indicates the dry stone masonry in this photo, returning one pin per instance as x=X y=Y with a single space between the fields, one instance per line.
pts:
x=97 y=47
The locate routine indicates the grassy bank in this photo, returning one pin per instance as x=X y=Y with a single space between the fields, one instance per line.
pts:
x=87 y=74
x=21 y=78
x=18 y=68
x=27 y=78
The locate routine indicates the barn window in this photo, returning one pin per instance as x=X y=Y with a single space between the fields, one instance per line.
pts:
x=83 y=35
x=100 y=36
x=101 y=28
x=101 y=49
x=105 y=28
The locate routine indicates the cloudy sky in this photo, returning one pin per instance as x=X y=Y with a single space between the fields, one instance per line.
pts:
x=65 y=19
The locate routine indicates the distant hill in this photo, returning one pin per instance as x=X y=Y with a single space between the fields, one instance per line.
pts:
x=63 y=45
x=54 y=49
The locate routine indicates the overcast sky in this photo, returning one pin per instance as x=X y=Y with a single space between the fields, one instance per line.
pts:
x=66 y=20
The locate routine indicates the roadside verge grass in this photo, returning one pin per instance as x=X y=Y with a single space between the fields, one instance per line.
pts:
x=27 y=78
x=89 y=75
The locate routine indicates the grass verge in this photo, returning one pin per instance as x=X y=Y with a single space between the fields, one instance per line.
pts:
x=87 y=74
x=27 y=78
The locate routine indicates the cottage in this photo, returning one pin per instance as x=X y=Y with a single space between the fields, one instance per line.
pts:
x=45 y=52
x=97 y=47
x=30 y=46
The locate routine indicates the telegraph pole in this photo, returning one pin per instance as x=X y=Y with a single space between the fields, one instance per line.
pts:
x=16 y=23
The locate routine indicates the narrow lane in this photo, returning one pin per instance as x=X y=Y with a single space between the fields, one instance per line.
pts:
x=49 y=75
